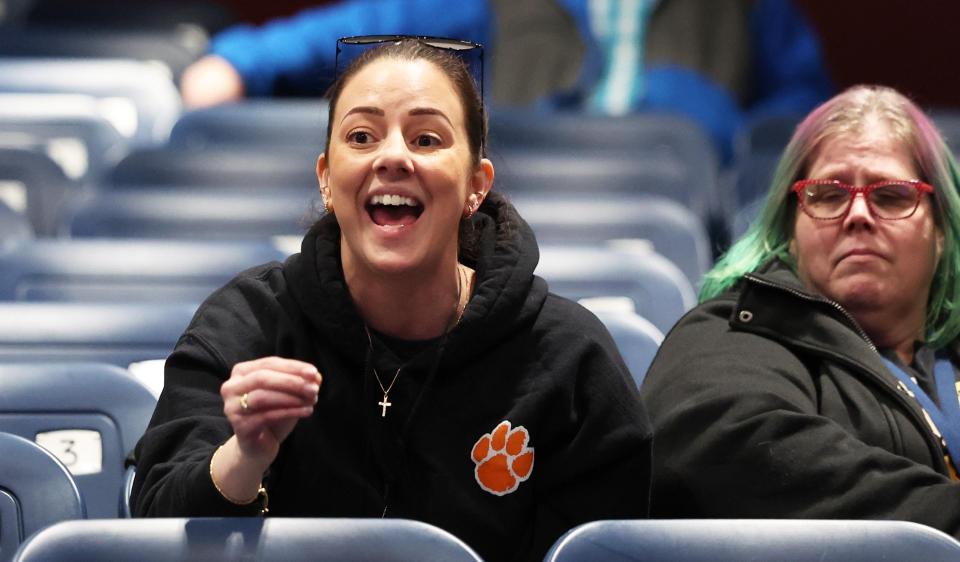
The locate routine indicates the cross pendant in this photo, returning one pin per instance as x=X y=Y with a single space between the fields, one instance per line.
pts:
x=384 y=404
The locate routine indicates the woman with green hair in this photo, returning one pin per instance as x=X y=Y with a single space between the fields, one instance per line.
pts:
x=818 y=377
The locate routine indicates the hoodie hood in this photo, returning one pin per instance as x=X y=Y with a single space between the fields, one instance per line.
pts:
x=506 y=294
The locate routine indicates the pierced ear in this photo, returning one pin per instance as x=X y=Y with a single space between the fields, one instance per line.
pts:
x=480 y=182
x=323 y=177
x=939 y=245
x=473 y=203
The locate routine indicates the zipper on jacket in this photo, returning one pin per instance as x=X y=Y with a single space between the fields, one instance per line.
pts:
x=909 y=405
x=810 y=298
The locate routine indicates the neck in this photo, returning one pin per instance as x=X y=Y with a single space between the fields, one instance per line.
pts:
x=899 y=332
x=411 y=307
x=905 y=352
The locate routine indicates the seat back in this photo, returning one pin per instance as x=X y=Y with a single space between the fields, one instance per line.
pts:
x=14 y=228
x=734 y=540
x=84 y=135
x=89 y=416
x=948 y=123
x=672 y=136
x=176 y=49
x=193 y=214
x=145 y=89
x=258 y=168
x=246 y=538
x=293 y=124
x=766 y=135
x=35 y=491
x=658 y=290
x=672 y=230
x=637 y=339
x=106 y=270
x=115 y=333
x=31 y=180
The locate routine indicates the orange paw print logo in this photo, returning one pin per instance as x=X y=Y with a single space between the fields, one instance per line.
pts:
x=503 y=459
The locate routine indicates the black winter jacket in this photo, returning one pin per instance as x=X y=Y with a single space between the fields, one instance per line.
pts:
x=519 y=354
x=771 y=402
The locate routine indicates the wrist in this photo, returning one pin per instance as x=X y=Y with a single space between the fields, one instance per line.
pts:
x=238 y=482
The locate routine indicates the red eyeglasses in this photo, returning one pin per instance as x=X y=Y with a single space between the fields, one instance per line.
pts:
x=832 y=199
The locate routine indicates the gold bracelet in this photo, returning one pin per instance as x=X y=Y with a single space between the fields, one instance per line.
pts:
x=261 y=491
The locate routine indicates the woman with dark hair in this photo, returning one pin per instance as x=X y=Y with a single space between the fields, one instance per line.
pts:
x=407 y=362
x=817 y=379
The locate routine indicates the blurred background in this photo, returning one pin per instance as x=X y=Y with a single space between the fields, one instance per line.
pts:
x=152 y=149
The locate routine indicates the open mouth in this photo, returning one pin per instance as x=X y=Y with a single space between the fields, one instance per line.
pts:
x=394 y=210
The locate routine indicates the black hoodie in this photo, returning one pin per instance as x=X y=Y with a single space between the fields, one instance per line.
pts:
x=519 y=354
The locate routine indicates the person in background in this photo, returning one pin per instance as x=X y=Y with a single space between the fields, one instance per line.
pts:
x=818 y=377
x=720 y=63
x=407 y=362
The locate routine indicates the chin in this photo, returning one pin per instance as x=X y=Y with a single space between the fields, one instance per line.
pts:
x=860 y=294
x=391 y=263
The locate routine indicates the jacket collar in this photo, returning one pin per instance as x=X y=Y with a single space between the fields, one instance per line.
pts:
x=774 y=302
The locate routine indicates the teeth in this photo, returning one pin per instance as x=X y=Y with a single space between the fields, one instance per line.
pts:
x=393 y=200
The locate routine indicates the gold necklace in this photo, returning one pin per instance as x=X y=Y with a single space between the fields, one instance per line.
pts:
x=454 y=319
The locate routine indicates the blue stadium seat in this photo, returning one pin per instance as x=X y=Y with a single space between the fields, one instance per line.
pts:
x=193 y=214
x=14 y=228
x=614 y=172
x=36 y=491
x=637 y=339
x=659 y=291
x=672 y=136
x=176 y=49
x=145 y=90
x=735 y=540
x=746 y=215
x=247 y=538
x=765 y=135
x=548 y=172
x=38 y=183
x=287 y=123
x=258 y=168
x=662 y=154
x=753 y=175
x=231 y=214
x=673 y=230
x=948 y=122
x=113 y=333
x=106 y=270
x=109 y=407
x=80 y=133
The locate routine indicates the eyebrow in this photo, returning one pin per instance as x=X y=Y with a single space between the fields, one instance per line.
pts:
x=430 y=111
x=379 y=112
x=364 y=109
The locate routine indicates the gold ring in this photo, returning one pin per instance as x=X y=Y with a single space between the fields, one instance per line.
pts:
x=243 y=402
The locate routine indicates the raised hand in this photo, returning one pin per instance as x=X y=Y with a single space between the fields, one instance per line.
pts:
x=262 y=399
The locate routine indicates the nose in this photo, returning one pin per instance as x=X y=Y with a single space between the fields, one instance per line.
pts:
x=859 y=214
x=394 y=158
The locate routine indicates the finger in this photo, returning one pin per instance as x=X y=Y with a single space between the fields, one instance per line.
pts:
x=269 y=380
x=262 y=400
x=302 y=369
x=248 y=427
